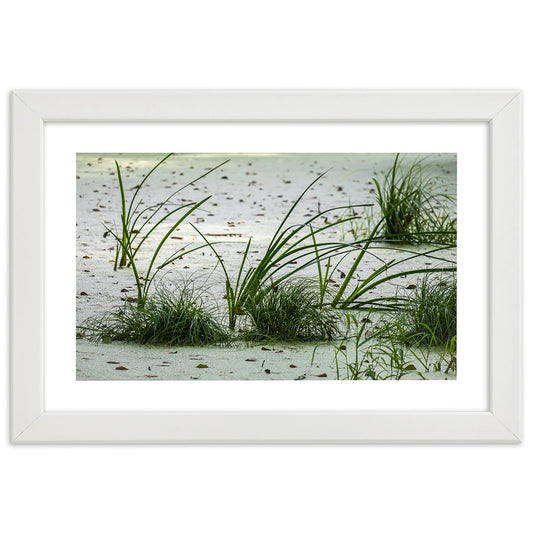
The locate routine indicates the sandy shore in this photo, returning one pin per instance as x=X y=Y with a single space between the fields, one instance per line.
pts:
x=249 y=197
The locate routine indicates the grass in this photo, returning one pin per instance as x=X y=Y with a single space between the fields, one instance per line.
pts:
x=172 y=318
x=291 y=311
x=378 y=352
x=410 y=213
x=128 y=223
x=429 y=314
x=291 y=244
x=444 y=227
x=294 y=244
x=373 y=359
x=131 y=238
x=324 y=273
x=413 y=209
x=359 y=225
x=353 y=292
x=408 y=340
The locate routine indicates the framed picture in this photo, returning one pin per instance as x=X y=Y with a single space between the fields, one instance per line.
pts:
x=266 y=267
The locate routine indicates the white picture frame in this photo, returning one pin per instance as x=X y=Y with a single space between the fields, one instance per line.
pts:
x=501 y=423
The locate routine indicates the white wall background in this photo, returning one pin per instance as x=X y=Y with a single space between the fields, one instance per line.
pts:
x=275 y=44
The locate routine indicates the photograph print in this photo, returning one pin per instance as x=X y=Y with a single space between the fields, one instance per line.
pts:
x=266 y=266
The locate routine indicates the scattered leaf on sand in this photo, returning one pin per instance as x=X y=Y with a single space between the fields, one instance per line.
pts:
x=201 y=366
x=195 y=377
x=83 y=293
x=150 y=376
x=266 y=349
x=121 y=368
x=324 y=375
x=410 y=287
x=267 y=371
x=251 y=359
x=113 y=362
x=293 y=366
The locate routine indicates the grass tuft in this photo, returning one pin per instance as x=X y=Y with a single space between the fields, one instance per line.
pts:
x=412 y=207
x=429 y=315
x=291 y=311
x=167 y=317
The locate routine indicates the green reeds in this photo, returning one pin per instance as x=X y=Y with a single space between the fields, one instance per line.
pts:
x=413 y=209
x=409 y=340
x=350 y=296
x=296 y=245
x=292 y=245
x=131 y=237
